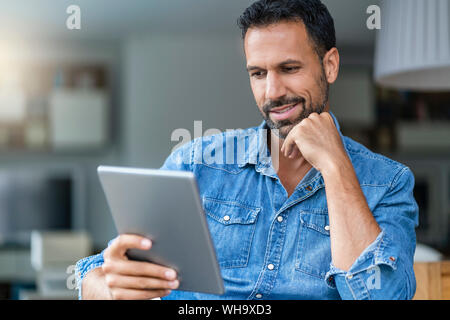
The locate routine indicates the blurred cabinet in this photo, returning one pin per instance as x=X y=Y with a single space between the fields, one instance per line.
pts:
x=78 y=118
x=54 y=107
x=413 y=122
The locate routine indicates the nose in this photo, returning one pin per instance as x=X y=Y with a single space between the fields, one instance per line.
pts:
x=274 y=87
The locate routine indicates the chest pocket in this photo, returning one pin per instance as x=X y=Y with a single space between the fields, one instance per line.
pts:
x=313 y=254
x=232 y=226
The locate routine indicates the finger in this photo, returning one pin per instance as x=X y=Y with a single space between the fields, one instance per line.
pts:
x=131 y=294
x=284 y=145
x=139 y=283
x=329 y=117
x=121 y=244
x=313 y=115
x=139 y=269
x=295 y=153
x=289 y=144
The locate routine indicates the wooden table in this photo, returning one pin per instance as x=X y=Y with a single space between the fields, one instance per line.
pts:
x=433 y=280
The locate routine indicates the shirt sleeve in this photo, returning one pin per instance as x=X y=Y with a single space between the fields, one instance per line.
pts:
x=180 y=159
x=87 y=264
x=384 y=270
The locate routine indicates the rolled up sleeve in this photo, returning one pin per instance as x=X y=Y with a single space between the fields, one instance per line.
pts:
x=85 y=265
x=384 y=270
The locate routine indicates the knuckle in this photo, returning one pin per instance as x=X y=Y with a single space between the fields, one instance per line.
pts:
x=110 y=280
x=107 y=254
x=107 y=267
x=148 y=284
x=120 y=241
x=324 y=115
x=155 y=270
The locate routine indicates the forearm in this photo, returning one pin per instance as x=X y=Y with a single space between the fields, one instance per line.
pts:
x=352 y=225
x=94 y=286
x=384 y=268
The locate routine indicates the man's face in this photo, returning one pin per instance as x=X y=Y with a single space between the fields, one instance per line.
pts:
x=287 y=78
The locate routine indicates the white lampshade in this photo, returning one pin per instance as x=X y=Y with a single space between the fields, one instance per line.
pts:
x=413 y=45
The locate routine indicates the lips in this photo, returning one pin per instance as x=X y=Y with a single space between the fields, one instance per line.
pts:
x=282 y=108
x=284 y=113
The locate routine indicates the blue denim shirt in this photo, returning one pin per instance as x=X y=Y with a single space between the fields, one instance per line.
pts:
x=271 y=246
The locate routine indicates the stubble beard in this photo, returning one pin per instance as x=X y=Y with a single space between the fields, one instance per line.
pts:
x=283 y=127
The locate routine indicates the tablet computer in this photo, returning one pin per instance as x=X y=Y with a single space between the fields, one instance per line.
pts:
x=165 y=207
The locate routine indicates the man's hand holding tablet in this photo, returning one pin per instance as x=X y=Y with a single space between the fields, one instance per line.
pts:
x=128 y=279
x=162 y=244
x=124 y=279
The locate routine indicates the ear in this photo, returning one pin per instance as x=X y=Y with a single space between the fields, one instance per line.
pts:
x=331 y=65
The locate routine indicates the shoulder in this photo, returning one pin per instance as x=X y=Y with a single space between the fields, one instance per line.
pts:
x=211 y=148
x=229 y=139
x=225 y=137
x=373 y=168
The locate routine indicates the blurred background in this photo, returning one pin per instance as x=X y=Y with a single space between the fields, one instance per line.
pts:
x=113 y=91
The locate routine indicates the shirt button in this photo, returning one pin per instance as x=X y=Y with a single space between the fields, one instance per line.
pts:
x=327 y=228
x=350 y=276
x=309 y=188
x=270 y=266
x=392 y=258
x=226 y=218
x=258 y=296
x=280 y=218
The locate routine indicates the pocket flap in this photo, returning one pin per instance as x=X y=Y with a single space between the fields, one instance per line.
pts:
x=318 y=221
x=230 y=212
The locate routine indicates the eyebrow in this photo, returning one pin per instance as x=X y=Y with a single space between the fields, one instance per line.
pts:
x=288 y=61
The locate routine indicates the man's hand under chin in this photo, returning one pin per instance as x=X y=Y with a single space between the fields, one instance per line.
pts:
x=317 y=139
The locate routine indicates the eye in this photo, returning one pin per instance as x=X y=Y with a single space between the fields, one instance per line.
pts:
x=257 y=74
x=290 y=69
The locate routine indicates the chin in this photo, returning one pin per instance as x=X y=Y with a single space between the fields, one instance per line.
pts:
x=284 y=131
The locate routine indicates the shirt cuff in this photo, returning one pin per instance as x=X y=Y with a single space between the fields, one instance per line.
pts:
x=381 y=251
x=84 y=266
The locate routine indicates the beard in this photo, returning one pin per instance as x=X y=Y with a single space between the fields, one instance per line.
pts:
x=283 y=127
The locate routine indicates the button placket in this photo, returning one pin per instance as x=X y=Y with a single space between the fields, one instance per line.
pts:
x=269 y=270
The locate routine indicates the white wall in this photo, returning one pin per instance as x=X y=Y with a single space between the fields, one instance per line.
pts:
x=172 y=80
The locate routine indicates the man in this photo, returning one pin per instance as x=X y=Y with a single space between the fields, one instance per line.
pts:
x=332 y=221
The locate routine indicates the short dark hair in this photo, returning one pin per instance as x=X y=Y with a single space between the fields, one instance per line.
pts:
x=313 y=13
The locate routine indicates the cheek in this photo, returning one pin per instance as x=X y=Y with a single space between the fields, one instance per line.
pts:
x=258 y=90
x=305 y=85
